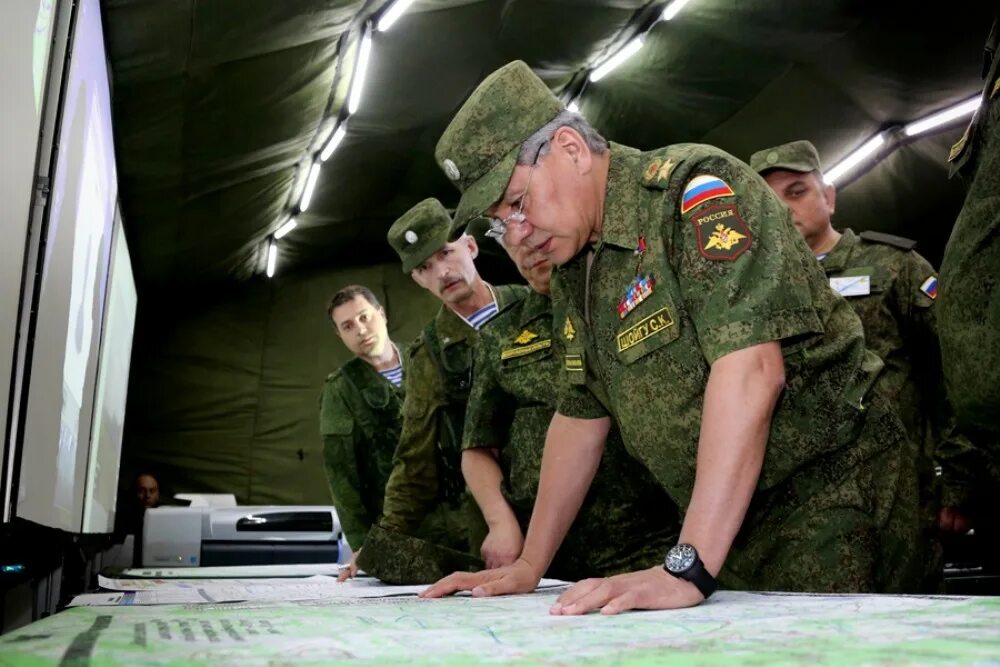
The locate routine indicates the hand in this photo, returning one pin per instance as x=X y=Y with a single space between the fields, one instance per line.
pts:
x=503 y=544
x=350 y=570
x=952 y=520
x=519 y=577
x=645 y=589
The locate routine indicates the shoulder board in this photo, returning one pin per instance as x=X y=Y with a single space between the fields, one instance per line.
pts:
x=334 y=375
x=888 y=239
x=658 y=166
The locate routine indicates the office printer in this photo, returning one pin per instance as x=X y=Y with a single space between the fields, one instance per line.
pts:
x=204 y=536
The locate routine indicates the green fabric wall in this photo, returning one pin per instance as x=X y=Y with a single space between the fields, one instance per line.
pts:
x=223 y=392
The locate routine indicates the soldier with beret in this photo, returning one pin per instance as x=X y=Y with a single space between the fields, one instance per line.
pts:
x=693 y=314
x=426 y=496
x=893 y=290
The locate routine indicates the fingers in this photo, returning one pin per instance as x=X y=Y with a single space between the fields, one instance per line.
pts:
x=587 y=595
x=624 y=602
x=458 y=581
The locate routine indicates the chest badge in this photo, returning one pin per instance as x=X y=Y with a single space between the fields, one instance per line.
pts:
x=569 y=331
x=525 y=337
x=638 y=291
x=930 y=287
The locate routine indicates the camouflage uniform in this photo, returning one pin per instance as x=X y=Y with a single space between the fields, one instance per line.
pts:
x=360 y=419
x=626 y=522
x=426 y=495
x=836 y=506
x=896 y=306
x=969 y=308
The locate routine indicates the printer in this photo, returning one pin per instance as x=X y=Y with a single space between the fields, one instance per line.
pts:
x=248 y=535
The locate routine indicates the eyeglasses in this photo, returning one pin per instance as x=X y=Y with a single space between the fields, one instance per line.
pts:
x=498 y=226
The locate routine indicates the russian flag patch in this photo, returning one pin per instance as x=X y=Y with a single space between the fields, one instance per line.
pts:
x=702 y=188
x=929 y=287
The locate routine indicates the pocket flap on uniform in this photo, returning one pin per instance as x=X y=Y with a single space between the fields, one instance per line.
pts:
x=646 y=335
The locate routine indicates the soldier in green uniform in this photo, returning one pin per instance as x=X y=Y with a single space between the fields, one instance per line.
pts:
x=426 y=476
x=693 y=313
x=969 y=312
x=626 y=522
x=893 y=290
x=360 y=411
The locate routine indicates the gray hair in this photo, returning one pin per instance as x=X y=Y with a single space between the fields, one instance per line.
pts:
x=566 y=118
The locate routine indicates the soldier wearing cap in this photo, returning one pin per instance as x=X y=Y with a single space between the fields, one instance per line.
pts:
x=626 y=521
x=426 y=477
x=893 y=290
x=692 y=313
x=360 y=410
x=969 y=312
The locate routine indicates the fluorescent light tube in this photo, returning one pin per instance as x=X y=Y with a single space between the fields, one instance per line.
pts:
x=272 y=258
x=360 y=69
x=390 y=15
x=835 y=172
x=289 y=225
x=672 y=9
x=614 y=61
x=331 y=145
x=307 y=193
x=961 y=110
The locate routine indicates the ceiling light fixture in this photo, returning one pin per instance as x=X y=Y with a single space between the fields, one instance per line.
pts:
x=834 y=173
x=573 y=106
x=272 y=258
x=289 y=225
x=614 y=61
x=943 y=117
x=360 y=69
x=307 y=193
x=390 y=15
x=672 y=9
x=331 y=145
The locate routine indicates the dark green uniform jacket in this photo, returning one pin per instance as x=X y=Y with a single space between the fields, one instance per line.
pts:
x=969 y=308
x=426 y=495
x=837 y=503
x=896 y=304
x=627 y=522
x=360 y=417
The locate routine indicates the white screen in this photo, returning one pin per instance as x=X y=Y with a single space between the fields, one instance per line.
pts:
x=71 y=299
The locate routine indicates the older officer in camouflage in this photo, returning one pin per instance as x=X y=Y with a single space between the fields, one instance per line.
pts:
x=893 y=290
x=626 y=522
x=360 y=411
x=693 y=313
x=426 y=476
x=969 y=312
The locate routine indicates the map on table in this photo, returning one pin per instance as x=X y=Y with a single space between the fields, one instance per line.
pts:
x=754 y=628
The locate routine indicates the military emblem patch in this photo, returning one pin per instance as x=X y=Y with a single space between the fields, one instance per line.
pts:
x=574 y=363
x=569 y=332
x=665 y=169
x=525 y=337
x=701 y=189
x=956 y=148
x=513 y=353
x=930 y=287
x=652 y=170
x=722 y=234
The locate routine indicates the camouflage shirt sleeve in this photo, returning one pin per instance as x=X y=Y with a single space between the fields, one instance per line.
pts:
x=339 y=455
x=488 y=414
x=413 y=484
x=742 y=266
x=578 y=402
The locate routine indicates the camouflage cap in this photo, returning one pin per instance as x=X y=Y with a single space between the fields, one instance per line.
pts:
x=478 y=150
x=793 y=156
x=419 y=233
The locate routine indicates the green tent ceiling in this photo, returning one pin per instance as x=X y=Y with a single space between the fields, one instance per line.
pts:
x=220 y=104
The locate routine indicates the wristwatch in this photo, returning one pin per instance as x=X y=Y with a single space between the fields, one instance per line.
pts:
x=682 y=561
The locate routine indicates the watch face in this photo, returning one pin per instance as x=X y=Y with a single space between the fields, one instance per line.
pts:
x=681 y=558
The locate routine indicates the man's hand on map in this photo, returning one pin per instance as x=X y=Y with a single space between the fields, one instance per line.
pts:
x=519 y=577
x=350 y=570
x=503 y=544
x=645 y=589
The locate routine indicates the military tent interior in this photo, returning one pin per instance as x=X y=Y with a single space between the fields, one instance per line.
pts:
x=221 y=109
